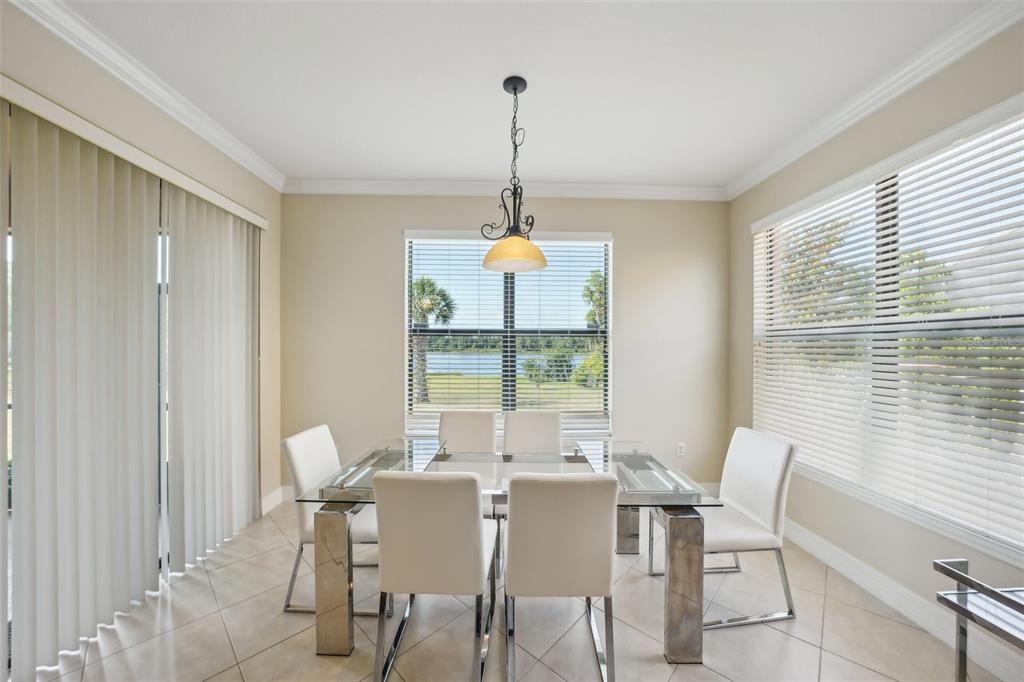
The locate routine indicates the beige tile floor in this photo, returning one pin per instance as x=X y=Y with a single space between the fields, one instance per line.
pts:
x=222 y=621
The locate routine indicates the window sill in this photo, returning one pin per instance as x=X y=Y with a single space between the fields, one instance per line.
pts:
x=993 y=547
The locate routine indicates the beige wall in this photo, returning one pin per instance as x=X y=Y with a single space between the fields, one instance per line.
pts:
x=343 y=309
x=36 y=58
x=904 y=551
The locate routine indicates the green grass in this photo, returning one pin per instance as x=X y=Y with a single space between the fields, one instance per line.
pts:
x=454 y=391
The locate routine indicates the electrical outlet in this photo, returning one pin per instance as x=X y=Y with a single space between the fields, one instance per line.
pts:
x=680 y=449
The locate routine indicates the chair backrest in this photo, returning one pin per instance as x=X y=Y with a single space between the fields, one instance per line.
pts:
x=532 y=433
x=468 y=432
x=561 y=535
x=430 y=532
x=756 y=476
x=312 y=457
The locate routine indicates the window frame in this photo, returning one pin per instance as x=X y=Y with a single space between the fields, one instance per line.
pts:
x=508 y=333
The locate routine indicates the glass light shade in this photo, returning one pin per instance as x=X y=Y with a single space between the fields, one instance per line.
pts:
x=515 y=254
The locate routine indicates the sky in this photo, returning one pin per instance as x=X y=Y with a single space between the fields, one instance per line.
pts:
x=547 y=299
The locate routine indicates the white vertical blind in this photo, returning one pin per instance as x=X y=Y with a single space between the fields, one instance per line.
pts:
x=84 y=225
x=212 y=356
x=483 y=340
x=5 y=156
x=889 y=335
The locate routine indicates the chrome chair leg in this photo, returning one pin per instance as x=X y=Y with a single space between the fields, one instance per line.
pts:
x=734 y=568
x=378 y=658
x=288 y=608
x=384 y=663
x=364 y=564
x=607 y=672
x=510 y=638
x=497 y=548
x=790 y=609
x=788 y=614
x=479 y=637
x=655 y=517
x=482 y=635
x=609 y=634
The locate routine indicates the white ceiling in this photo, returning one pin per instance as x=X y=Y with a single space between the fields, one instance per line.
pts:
x=666 y=94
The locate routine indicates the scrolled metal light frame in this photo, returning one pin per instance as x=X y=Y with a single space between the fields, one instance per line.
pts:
x=513 y=222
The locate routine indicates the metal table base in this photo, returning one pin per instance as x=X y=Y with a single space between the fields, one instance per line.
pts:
x=684 y=579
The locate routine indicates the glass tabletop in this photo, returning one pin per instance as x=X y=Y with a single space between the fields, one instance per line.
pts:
x=644 y=479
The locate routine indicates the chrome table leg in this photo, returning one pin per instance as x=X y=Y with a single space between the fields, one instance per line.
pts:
x=684 y=585
x=628 y=531
x=652 y=518
x=961 y=625
x=335 y=625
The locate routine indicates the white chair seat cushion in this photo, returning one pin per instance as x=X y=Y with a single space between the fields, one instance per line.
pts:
x=728 y=530
x=364 y=527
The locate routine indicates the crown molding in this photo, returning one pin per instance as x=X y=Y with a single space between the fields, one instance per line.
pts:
x=979 y=27
x=64 y=22
x=481 y=188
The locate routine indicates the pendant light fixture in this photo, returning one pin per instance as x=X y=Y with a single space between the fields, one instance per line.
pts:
x=514 y=251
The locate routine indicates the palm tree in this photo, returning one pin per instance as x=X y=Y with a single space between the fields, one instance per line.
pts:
x=595 y=295
x=427 y=302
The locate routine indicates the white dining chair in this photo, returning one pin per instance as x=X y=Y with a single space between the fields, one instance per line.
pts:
x=530 y=432
x=755 y=483
x=561 y=542
x=312 y=457
x=433 y=540
x=467 y=432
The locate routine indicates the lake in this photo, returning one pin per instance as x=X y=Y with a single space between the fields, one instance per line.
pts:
x=480 y=363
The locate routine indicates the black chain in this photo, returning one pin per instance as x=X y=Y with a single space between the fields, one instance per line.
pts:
x=516 y=130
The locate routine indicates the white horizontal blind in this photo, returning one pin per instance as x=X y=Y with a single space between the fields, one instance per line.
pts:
x=482 y=340
x=889 y=334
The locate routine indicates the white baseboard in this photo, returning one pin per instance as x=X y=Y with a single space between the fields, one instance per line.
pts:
x=274 y=498
x=999 y=659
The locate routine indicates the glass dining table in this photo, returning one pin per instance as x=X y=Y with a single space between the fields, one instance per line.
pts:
x=645 y=480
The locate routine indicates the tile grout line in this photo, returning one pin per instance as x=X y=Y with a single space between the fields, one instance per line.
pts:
x=560 y=638
x=274 y=549
x=909 y=626
x=267 y=648
x=224 y=624
x=857 y=663
x=152 y=637
x=218 y=610
x=823 y=650
x=270 y=646
x=442 y=627
x=204 y=559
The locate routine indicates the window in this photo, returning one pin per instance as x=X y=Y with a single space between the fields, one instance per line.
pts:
x=482 y=340
x=889 y=336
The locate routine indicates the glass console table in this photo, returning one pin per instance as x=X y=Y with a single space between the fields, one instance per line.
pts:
x=644 y=481
x=998 y=610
